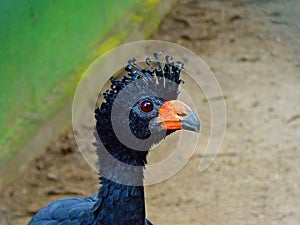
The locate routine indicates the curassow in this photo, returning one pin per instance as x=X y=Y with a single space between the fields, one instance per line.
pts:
x=145 y=103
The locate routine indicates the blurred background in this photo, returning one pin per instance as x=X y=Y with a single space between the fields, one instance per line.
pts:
x=252 y=46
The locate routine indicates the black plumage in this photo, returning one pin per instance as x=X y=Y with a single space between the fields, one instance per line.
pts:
x=148 y=95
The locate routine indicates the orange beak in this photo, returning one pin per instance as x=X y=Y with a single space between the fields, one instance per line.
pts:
x=175 y=115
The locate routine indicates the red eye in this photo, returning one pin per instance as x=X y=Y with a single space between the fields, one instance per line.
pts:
x=147 y=106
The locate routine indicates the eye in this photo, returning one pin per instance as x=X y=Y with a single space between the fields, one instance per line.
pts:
x=147 y=106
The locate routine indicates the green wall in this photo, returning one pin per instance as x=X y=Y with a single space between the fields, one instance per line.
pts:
x=42 y=44
x=45 y=45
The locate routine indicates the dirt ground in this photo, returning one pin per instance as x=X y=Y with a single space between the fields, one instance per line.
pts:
x=253 y=48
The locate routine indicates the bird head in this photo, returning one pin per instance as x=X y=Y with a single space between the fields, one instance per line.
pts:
x=142 y=108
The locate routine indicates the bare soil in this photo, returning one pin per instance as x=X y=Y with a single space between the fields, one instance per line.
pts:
x=253 y=48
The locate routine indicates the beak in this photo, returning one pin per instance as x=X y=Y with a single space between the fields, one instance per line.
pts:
x=175 y=115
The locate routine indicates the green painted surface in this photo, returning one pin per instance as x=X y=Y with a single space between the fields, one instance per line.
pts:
x=41 y=44
x=45 y=46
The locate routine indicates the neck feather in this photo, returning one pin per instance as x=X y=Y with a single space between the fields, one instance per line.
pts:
x=119 y=204
x=121 y=196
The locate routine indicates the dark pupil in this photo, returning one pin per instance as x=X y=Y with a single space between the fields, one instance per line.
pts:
x=147 y=106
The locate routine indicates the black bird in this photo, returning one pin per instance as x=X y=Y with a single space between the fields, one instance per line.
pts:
x=138 y=111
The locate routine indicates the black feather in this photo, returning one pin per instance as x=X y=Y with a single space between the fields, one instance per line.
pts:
x=117 y=202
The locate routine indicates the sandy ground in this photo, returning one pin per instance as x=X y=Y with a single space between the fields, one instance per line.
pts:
x=253 y=48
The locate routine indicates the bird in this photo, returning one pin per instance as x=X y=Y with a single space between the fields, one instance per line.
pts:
x=137 y=112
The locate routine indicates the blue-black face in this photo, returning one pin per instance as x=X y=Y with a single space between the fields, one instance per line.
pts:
x=145 y=110
x=153 y=115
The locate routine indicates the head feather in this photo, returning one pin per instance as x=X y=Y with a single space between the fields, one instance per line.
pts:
x=156 y=75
